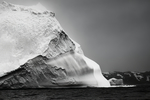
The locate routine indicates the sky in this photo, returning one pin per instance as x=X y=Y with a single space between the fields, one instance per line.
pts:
x=114 y=33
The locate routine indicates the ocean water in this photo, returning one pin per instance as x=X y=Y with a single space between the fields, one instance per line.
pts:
x=115 y=93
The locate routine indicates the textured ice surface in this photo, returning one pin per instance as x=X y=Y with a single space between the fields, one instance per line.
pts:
x=33 y=38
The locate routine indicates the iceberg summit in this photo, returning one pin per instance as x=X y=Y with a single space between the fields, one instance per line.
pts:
x=35 y=52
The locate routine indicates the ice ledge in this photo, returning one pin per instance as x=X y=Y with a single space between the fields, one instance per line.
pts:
x=37 y=9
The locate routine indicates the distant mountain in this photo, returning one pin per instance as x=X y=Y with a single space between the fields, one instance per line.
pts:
x=128 y=78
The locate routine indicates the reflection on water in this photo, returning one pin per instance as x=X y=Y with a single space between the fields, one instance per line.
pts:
x=77 y=93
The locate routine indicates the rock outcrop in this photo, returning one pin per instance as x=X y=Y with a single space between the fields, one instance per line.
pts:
x=35 y=52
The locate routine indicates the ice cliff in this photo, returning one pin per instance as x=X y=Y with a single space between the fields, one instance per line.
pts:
x=35 y=52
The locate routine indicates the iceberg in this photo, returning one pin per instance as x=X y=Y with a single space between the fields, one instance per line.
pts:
x=35 y=52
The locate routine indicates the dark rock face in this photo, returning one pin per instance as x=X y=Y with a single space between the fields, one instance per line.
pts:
x=130 y=78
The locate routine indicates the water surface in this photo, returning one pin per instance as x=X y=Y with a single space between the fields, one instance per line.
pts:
x=115 y=93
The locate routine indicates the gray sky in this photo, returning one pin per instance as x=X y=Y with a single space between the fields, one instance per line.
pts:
x=114 y=33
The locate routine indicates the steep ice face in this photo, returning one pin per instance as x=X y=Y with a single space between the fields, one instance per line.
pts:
x=25 y=33
x=29 y=32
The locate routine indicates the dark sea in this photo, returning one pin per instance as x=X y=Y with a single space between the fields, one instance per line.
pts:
x=114 y=93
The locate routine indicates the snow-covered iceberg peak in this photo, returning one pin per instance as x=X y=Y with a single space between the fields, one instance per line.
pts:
x=36 y=52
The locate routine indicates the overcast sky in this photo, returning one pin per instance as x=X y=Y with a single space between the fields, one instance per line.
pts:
x=114 y=33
